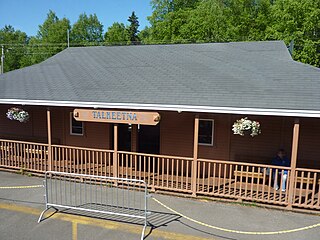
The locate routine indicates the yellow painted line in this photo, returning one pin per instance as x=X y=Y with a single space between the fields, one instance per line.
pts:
x=111 y=225
x=74 y=230
x=20 y=187
x=237 y=231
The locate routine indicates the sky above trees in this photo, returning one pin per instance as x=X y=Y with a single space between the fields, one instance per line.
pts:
x=27 y=15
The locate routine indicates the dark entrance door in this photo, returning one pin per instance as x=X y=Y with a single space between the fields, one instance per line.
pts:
x=149 y=139
x=124 y=137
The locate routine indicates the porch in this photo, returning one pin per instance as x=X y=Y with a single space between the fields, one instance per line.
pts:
x=202 y=177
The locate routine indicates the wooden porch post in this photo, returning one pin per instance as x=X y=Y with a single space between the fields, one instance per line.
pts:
x=195 y=156
x=294 y=154
x=115 y=152
x=49 y=140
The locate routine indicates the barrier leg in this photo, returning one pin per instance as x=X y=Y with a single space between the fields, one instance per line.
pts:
x=41 y=215
x=143 y=230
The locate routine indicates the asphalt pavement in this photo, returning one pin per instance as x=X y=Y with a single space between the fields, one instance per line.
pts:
x=20 y=209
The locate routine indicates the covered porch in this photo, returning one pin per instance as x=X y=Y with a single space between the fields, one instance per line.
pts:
x=190 y=175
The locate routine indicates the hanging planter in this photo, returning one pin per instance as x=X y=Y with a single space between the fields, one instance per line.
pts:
x=17 y=114
x=246 y=126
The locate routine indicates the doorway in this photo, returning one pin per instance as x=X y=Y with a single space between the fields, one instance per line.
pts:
x=149 y=139
x=124 y=137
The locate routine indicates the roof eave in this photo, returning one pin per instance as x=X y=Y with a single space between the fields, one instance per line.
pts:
x=168 y=107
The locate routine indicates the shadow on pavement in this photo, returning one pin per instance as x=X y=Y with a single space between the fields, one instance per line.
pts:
x=22 y=201
x=209 y=233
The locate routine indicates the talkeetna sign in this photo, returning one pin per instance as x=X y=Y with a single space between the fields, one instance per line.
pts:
x=115 y=116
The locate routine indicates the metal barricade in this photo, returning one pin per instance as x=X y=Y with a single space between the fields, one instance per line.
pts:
x=97 y=194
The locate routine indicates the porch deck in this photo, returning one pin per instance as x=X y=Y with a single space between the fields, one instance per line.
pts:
x=224 y=179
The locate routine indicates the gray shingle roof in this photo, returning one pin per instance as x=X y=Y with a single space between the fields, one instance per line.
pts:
x=260 y=75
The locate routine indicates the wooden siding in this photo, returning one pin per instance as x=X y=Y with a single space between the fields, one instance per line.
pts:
x=261 y=148
x=36 y=128
x=96 y=135
x=176 y=134
x=309 y=144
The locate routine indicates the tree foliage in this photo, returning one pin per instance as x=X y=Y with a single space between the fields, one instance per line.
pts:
x=51 y=39
x=14 y=49
x=117 y=34
x=238 y=20
x=133 y=28
x=88 y=29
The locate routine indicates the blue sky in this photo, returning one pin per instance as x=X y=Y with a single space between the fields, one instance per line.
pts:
x=26 y=15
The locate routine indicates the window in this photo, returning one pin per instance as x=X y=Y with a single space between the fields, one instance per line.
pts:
x=206 y=132
x=76 y=127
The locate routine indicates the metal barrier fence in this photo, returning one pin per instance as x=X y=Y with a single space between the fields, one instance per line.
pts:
x=97 y=194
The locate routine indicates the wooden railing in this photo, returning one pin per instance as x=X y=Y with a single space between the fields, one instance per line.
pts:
x=82 y=160
x=225 y=179
x=159 y=171
x=254 y=182
x=307 y=188
x=23 y=155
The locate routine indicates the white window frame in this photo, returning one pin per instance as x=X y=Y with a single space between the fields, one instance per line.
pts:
x=212 y=134
x=72 y=133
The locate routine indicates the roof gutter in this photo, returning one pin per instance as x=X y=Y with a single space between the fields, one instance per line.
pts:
x=167 y=107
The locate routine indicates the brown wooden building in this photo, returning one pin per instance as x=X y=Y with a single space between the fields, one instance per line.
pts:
x=198 y=90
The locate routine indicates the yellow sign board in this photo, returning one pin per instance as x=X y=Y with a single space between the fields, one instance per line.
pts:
x=115 y=116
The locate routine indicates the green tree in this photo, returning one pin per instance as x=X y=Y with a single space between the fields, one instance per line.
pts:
x=51 y=39
x=167 y=18
x=133 y=28
x=208 y=22
x=145 y=35
x=238 y=20
x=297 y=20
x=87 y=30
x=117 y=34
x=54 y=30
x=14 y=42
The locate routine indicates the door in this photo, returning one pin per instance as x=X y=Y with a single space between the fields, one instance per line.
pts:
x=124 y=137
x=149 y=139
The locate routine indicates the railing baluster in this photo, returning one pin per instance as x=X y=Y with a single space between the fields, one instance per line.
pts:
x=219 y=178
x=307 y=189
x=253 y=182
x=127 y=166
x=187 y=175
x=203 y=175
x=247 y=181
x=313 y=188
x=214 y=177
x=224 y=178
x=230 y=179
x=153 y=171
x=177 y=172
x=131 y=165
x=158 y=171
x=172 y=173
x=209 y=177
x=167 y=169
x=144 y=167
x=301 y=187
x=182 y=175
x=318 y=201
x=240 y=189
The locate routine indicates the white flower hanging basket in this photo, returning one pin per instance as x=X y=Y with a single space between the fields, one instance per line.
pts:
x=17 y=114
x=243 y=125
